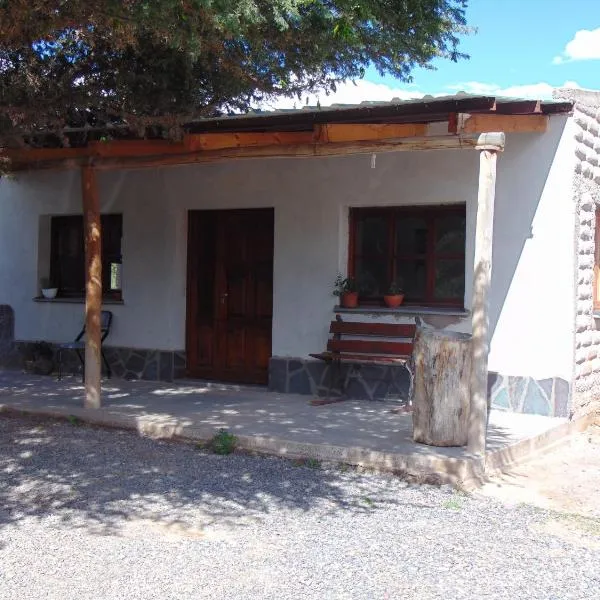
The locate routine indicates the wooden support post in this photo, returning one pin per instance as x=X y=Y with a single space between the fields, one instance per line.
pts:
x=489 y=145
x=93 y=286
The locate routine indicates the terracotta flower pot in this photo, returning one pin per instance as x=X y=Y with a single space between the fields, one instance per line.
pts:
x=349 y=300
x=393 y=301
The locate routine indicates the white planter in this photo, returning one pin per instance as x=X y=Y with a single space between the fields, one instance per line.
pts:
x=49 y=293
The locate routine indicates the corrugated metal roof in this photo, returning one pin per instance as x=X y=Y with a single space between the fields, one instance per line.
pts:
x=428 y=108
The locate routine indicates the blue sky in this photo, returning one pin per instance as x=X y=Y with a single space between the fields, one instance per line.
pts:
x=521 y=48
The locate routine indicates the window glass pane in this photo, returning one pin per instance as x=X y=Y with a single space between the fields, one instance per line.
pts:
x=67 y=254
x=450 y=234
x=449 y=279
x=411 y=236
x=411 y=276
x=372 y=236
x=371 y=276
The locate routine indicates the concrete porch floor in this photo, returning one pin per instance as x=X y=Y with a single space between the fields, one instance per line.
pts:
x=354 y=432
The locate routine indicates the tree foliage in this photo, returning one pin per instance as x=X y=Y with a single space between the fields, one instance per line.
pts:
x=156 y=64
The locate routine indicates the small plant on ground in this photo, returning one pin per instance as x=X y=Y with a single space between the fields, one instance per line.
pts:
x=368 y=501
x=74 y=420
x=223 y=442
x=313 y=463
x=453 y=504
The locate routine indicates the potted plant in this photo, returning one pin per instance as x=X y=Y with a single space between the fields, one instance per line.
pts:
x=49 y=290
x=345 y=288
x=394 y=296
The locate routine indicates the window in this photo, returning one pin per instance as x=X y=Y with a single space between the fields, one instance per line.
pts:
x=423 y=249
x=67 y=255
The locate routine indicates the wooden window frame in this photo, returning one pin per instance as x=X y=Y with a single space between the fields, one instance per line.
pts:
x=57 y=224
x=430 y=214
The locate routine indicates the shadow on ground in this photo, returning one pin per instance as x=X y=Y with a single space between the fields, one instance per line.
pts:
x=107 y=480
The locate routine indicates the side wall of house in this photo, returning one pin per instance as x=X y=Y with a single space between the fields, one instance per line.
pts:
x=529 y=314
x=586 y=193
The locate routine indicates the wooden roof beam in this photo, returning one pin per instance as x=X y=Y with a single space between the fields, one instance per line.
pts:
x=347 y=140
x=485 y=122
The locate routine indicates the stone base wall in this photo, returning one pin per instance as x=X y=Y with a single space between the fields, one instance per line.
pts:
x=125 y=363
x=7 y=332
x=548 y=397
x=311 y=377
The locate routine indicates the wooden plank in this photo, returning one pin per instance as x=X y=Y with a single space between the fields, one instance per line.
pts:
x=333 y=132
x=370 y=347
x=218 y=141
x=129 y=148
x=32 y=155
x=484 y=123
x=518 y=107
x=480 y=303
x=452 y=123
x=372 y=329
x=551 y=108
x=434 y=142
x=93 y=287
x=363 y=358
x=442 y=142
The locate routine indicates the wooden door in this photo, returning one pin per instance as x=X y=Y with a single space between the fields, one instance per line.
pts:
x=230 y=294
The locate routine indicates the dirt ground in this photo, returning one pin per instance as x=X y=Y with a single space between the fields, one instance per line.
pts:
x=566 y=479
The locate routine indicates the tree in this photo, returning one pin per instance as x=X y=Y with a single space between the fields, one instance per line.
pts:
x=156 y=64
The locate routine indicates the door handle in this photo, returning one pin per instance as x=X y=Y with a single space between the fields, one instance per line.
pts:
x=223 y=297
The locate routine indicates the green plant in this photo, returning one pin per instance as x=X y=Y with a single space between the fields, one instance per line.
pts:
x=73 y=420
x=344 y=285
x=313 y=463
x=395 y=289
x=223 y=442
x=453 y=504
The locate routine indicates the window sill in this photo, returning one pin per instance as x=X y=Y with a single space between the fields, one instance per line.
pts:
x=405 y=310
x=74 y=300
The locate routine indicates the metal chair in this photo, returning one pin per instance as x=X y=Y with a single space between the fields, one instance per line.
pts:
x=79 y=344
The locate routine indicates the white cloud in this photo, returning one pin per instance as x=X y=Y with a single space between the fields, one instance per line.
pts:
x=361 y=91
x=536 y=91
x=348 y=93
x=584 y=46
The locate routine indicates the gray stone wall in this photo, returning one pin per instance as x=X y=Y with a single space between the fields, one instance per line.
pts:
x=362 y=382
x=125 y=363
x=586 y=194
x=7 y=333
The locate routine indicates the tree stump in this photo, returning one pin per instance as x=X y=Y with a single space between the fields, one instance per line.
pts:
x=441 y=387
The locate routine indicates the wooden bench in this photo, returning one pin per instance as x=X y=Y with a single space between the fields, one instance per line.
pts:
x=359 y=343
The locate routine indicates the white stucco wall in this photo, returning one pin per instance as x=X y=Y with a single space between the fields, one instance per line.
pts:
x=533 y=274
x=311 y=199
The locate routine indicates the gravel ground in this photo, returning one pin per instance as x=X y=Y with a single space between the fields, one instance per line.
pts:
x=89 y=513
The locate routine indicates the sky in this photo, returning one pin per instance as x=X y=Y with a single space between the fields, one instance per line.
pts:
x=521 y=48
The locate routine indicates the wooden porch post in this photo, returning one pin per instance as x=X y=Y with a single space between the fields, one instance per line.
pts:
x=489 y=145
x=93 y=286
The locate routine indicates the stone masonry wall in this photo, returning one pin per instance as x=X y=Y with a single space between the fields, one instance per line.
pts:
x=586 y=193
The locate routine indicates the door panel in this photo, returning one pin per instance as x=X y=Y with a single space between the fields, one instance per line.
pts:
x=230 y=294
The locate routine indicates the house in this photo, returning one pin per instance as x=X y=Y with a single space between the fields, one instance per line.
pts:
x=221 y=268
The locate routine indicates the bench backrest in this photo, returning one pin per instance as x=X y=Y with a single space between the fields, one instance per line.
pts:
x=348 y=337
